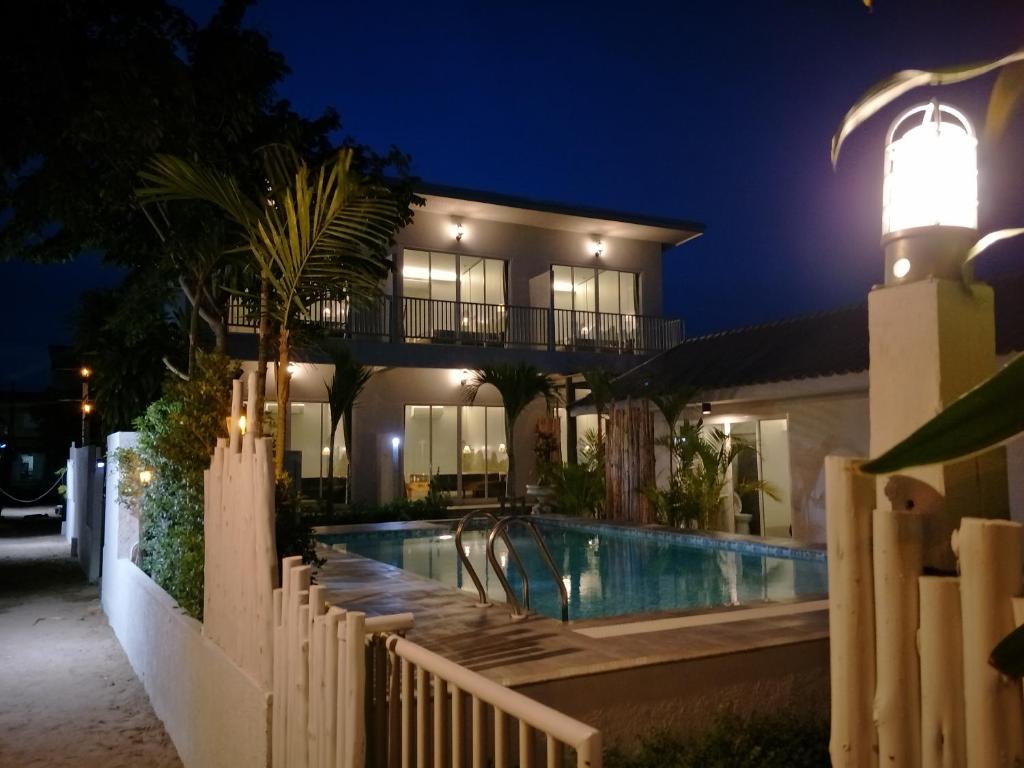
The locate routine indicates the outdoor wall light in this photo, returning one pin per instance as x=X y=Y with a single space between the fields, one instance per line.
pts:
x=598 y=248
x=458 y=231
x=929 y=193
x=292 y=369
x=466 y=449
x=395 y=442
x=85 y=372
x=87 y=408
x=705 y=408
x=146 y=476
x=326 y=451
x=243 y=424
x=501 y=448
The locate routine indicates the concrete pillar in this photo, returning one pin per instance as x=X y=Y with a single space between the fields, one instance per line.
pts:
x=930 y=341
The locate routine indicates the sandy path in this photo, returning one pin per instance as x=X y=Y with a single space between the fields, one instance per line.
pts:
x=68 y=696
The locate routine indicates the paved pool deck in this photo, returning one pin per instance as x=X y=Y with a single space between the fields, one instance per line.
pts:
x=539 y=649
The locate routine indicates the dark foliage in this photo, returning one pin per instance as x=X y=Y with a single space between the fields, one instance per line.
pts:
x=774 y=741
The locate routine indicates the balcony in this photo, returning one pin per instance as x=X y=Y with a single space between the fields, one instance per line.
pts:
x=435 y=321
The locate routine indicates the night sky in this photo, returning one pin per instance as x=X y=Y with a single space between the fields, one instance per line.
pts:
x=719 y=112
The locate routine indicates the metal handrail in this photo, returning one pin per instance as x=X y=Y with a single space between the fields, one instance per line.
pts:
x=501 y=530
x=464 y=558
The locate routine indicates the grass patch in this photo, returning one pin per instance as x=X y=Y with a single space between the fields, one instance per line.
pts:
x=776 y=741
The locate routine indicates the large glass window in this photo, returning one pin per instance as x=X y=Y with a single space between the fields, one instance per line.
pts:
x=585 y=289
x=462 y=446
x=451 y=277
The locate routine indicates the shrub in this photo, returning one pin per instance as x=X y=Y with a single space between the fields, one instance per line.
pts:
x=177 y=435
x=774 y=741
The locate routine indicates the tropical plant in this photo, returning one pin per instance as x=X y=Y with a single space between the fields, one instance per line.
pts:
x=993 y=411
x=519 y=384
x=344 y=389
x=701 y=480
x=177 y=435
x=671 y=405
x=602 y=393
x=310 y=230
x=579 y=488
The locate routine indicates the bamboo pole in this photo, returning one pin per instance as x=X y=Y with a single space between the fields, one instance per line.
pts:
x=990 y=554
x=898 y=562
x=940 y=640
x=355 y=686
x=849 y=500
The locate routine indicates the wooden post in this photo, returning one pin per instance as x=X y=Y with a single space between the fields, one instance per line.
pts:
x=940 y=640
x=990 y=554
x=849 y=500
x=898 y=563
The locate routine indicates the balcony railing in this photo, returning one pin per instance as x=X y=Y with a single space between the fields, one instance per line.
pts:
x=437 y=321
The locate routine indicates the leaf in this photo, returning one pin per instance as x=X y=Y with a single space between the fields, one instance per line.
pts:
x=1008 y=655
x=985 y=243
x=894 y=86
x=1006 y=96
x=987 y=415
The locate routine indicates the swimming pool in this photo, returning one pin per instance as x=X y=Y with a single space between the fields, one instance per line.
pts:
x=607 y=570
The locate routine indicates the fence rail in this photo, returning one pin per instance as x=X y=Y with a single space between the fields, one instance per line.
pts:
x=442 y=321
x=349 y=692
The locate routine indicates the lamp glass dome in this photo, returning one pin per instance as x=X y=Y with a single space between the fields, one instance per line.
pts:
x=931 y=170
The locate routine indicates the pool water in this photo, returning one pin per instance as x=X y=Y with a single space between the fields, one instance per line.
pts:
x=607 y=570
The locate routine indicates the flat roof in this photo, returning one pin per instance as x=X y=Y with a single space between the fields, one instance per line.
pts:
x=470 y=203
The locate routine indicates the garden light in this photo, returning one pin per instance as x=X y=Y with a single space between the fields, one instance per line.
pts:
x=85 y=371
x=146 y=476
x=929 y=193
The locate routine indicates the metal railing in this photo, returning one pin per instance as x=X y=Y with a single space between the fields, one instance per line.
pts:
x=464 y=558
x=522 y=609
x=443 y=321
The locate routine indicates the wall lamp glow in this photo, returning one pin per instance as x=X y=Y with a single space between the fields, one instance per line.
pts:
x=85 y=371
x=87 y=408
x=598 y=248
x=705 y=408
x=146 y=476
x=292 y=369
x=459 y=230
x=243 y=424
x=395 y=442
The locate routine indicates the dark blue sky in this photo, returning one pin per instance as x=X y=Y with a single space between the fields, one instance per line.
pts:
x=719 y=112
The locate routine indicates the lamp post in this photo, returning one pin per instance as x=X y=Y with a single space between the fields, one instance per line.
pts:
x=931 y=338
x=87 y=407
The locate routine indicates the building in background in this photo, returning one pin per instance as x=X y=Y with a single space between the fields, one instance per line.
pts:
x=798 y=390
x=478 y=279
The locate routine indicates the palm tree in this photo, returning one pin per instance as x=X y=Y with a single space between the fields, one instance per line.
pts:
x=519 y=384
x=671 y=406
x=349 y=379
x=701 y=482
x=309 y=230
x=602 y=393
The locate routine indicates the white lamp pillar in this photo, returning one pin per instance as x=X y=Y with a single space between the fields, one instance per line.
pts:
x=931 y=337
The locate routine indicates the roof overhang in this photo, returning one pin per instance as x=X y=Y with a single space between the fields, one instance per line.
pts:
x=470 y=204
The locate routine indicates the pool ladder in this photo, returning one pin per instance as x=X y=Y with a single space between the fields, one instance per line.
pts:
x=499 y=530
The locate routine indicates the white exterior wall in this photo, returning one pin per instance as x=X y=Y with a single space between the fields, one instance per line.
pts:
x=216 y=715
x=531 y=251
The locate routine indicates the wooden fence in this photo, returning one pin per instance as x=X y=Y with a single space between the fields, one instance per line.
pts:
x=350 y=691
x=911 y=682
x=240 y=551
x=342 y=683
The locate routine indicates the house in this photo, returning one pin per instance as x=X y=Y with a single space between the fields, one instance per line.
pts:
x=798 y=390
x=477 y=278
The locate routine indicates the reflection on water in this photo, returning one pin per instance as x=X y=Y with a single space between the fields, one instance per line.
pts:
x=605 y=572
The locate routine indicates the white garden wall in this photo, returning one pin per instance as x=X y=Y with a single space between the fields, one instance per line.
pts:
x=214 y=712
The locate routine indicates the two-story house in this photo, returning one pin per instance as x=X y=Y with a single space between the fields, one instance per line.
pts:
x=479 y=278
